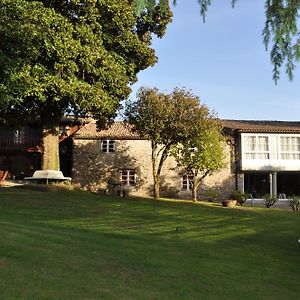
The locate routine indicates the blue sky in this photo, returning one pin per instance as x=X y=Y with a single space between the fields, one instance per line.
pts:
x=223 y=61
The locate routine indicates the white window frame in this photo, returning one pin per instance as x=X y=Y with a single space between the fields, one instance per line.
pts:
x=283 y=149
x=108 y=146
x=187 y=182
x=255 y=149
x=291 y=149
x=128 y=177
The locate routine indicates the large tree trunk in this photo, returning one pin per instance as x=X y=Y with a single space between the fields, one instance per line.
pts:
x=50 y=143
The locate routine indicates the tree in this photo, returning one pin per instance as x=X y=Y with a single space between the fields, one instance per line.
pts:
x=202 y=155
x=281 y=30
x=166 y=120
x=77 y=56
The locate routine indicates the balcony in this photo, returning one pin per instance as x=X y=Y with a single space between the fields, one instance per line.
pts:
x=21 y=143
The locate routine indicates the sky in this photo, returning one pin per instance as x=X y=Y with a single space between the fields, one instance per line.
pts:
x=223 y=61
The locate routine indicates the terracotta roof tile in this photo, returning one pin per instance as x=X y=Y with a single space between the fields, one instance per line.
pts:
x=261 y=126
x=121 y=130
x=117 y=130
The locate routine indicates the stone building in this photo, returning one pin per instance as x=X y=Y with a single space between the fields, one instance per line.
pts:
x=118 y=160
x=262 y=157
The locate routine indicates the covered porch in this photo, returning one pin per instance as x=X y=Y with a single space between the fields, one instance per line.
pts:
x=276 y=183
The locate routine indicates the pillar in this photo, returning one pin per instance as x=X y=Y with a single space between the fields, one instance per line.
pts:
x=240 y=182
x=273 y=184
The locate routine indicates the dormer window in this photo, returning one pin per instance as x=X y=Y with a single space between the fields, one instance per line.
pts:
x=108 y=146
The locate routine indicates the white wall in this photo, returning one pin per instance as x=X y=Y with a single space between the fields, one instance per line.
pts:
x=274 y=162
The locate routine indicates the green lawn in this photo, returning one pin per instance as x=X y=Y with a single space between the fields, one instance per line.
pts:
x=76 y=245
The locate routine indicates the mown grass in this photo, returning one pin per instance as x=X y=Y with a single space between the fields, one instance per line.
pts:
x=76 y=245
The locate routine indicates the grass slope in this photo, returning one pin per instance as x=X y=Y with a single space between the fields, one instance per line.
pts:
x=75 y=245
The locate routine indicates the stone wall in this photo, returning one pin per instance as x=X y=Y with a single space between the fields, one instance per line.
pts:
x=95 y=170
x=224 y=180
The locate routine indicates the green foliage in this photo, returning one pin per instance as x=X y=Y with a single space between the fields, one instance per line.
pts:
x=141 y=5
x=294 y=203
x=213 y=193
x=203 y=153
x=281 y=27
x=269 y=200
x=241 y=197
x=76 y=56
x=281 y=30
x=166 y=120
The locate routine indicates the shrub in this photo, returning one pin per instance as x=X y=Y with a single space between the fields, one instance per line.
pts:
x=240 y=196
x=269 y=200
x=294 y=203
x=213 y=193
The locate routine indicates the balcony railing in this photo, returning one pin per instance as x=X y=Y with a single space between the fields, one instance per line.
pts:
x=20 y=143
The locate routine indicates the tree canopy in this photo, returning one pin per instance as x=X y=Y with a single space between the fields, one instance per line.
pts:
x=166 y=120
x=202 y=154
x=72 y=55
x=281 y=31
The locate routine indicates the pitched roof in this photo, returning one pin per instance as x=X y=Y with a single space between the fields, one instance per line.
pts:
x=117 y=130
x=122 y=130
x=261 y=126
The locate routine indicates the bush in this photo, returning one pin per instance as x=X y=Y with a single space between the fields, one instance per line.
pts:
x=294 y=203
x=213 y=193
x=269 y=200
x=240 y=196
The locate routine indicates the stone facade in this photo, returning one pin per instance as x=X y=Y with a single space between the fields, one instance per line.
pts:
x=96 y=170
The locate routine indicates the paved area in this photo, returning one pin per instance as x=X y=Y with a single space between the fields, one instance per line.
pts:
x=282 y=203
x=9 y=183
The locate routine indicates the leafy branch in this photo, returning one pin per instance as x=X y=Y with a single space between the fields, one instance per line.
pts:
x=281 y=30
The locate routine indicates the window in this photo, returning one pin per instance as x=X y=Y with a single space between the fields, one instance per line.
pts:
x=289 y=147
x=128 y=177
x=19 y=136
x=187 y=182
x=108 y=146
x=257 y=147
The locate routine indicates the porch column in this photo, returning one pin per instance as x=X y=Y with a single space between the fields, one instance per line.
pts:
x=240 y=182
x=273 y=184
